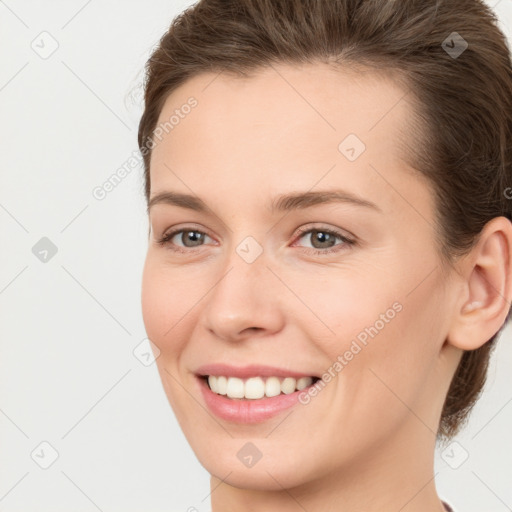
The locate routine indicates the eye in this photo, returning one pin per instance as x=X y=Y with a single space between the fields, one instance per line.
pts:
x=323 y=240
x=189 y=237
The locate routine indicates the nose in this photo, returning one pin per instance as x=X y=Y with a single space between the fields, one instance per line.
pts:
x=245 y=301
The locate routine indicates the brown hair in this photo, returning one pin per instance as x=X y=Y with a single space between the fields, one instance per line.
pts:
x=463 y=103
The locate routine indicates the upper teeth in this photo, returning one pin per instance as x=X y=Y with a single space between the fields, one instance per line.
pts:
x=256 y=387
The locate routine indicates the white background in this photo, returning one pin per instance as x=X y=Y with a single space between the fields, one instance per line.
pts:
x=68 y=375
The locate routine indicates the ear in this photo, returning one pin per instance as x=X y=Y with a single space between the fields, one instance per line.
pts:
x=486 y=294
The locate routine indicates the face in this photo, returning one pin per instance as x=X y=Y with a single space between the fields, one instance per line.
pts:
x=343 y=283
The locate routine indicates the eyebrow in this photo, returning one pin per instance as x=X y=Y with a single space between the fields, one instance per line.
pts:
x=286 y=202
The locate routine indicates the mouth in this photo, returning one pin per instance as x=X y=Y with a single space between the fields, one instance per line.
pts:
x=252 y=394
x=256 y=388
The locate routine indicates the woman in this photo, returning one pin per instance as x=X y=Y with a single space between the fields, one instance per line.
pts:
x=329 y=263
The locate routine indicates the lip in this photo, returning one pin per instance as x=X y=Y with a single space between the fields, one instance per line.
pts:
x=245 y=372
x=246 y=411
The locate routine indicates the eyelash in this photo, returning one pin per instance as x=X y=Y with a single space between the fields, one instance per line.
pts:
x=167 y=237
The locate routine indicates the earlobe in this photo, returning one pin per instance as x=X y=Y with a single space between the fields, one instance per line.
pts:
x=487 y=292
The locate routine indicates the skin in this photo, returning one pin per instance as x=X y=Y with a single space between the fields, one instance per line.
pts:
x=375 y=423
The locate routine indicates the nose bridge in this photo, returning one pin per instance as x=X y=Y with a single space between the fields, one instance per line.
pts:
x=243 y=297
x=245 y=268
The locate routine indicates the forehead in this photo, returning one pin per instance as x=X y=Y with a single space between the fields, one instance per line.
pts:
x=281 y=97
x=285 y=125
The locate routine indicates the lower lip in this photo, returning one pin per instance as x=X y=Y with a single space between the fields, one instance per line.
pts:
x=247 y=410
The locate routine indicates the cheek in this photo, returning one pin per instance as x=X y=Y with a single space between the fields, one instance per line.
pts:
x=162 y=303
x=167 y=309
x=375 y=320
x=167 y=299
x=346 y=305
x=393 y=370
x=153 y=290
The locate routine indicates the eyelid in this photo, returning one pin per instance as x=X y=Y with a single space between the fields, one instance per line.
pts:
x=324 y=228
x=191 y=226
